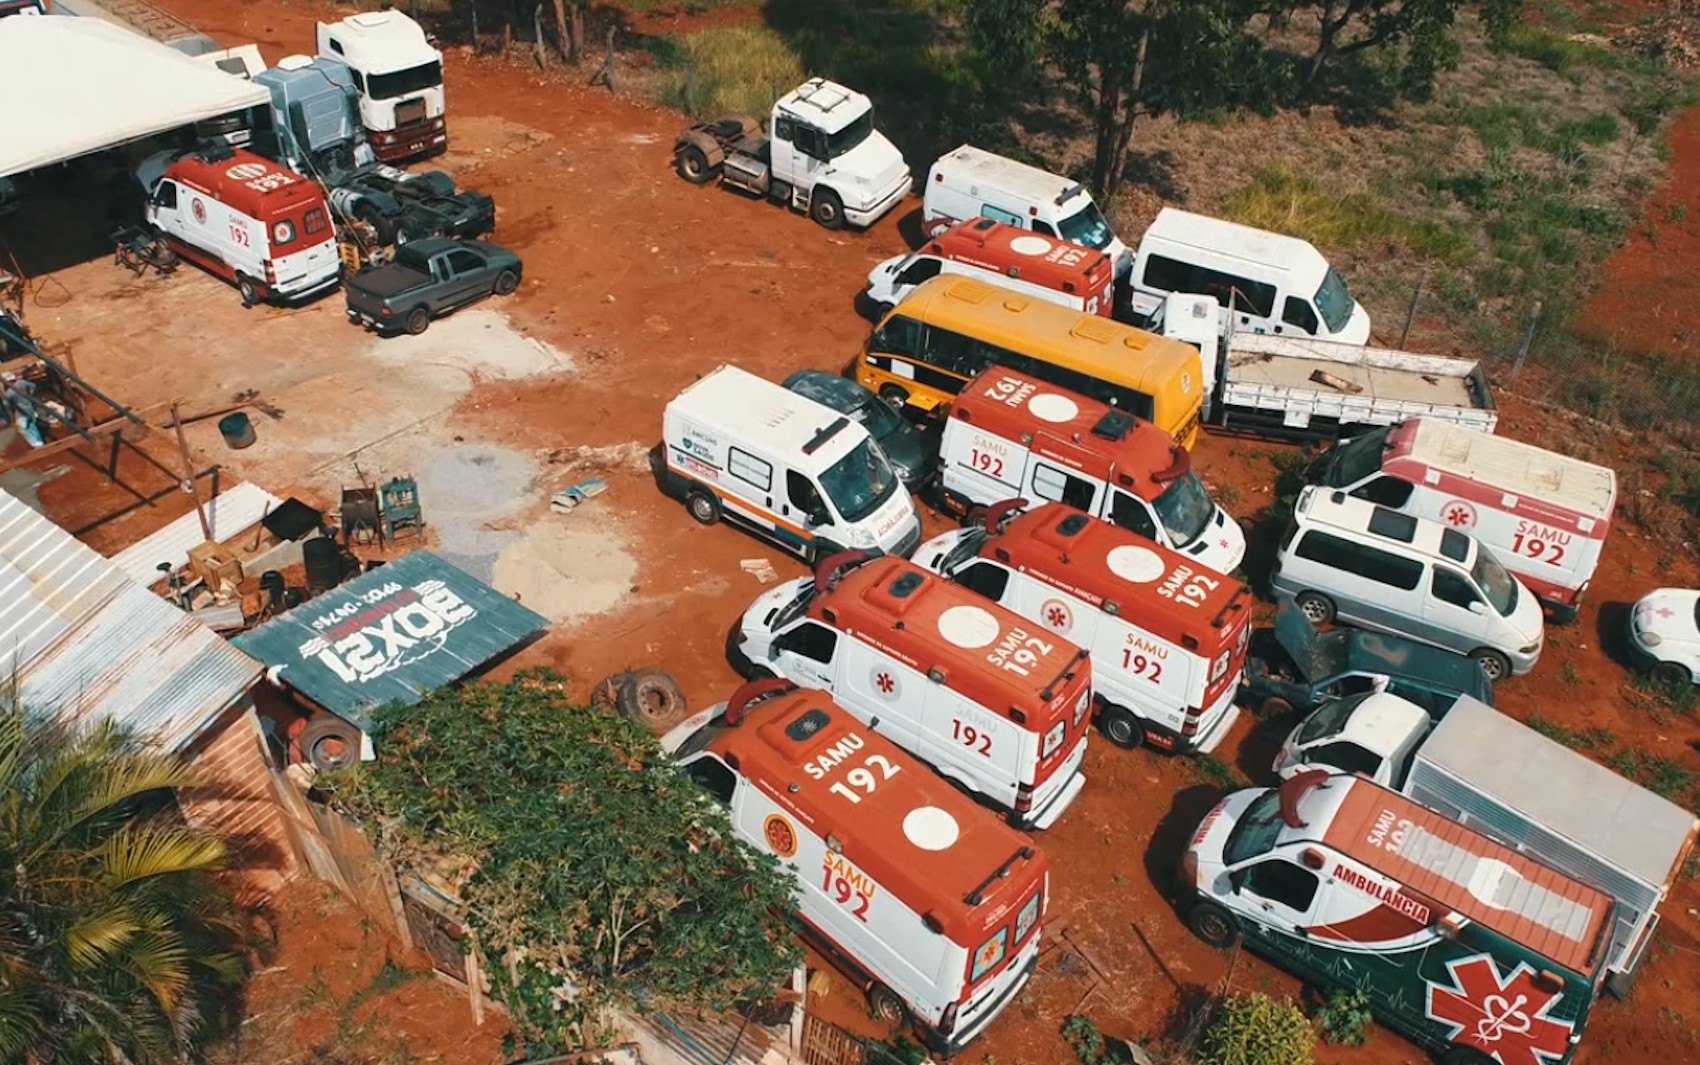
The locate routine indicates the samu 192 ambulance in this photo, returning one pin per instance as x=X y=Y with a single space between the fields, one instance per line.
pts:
x=1545 y=515
x=739 y=448
x=985 y=697
x=1011 y=435
x=1468 y=948
x=923 y=898
x=1167 y=636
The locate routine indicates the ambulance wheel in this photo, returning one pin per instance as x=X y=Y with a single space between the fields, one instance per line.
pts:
x=827 y=209
x=329 y=743
x=418 y=320
x=1274 y=707
x=1466 y=1056
x=895 y=397
x=1317 y=609
x=692 y=164
x=249 y=291
x=1672 y=674
x=884 y=1005
x=1213 y=924
x=703 y=506
x=1121 y=728
x=1495 y=666
x=506 y=282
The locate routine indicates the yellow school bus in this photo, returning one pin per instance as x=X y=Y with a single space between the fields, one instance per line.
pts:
x=951 y=328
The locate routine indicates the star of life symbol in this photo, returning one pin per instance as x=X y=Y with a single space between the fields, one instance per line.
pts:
x=1056 y=615
x=1460 y=514
x=1506 y=1018
x=885 y=683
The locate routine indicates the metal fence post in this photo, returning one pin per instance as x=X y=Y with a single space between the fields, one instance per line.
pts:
x=1528 y=338
x=1411 y=311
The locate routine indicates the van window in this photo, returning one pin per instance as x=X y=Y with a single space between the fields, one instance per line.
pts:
x=1057 y=486
x=165 y=195
x=746 y=467
x=1279 y=880
x=987 y=578
x=923 y=269
x=1449 y=586
x=1334 y=302
x=1167 y=275
x=1132 y=514
x=1299 y=314
x=313 y=221
x=961 y=355
x=998 y=214
x=1339 y=553
x=711 y=774
x=1242 y=293
x=898 y=336
x=1346 y=757
x=1454 y=545
x=1087 y=226
x=801 y=491
x=1499 y=586
x=1388 y=492
x=991 y=952
x=811 y=639
x=1393 y=525
x=1043 y=227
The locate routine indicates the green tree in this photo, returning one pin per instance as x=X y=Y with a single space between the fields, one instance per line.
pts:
x=1422 y=27
x=118 y=941
x=603 y=876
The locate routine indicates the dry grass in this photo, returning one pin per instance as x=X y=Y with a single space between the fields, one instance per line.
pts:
x=727 y=70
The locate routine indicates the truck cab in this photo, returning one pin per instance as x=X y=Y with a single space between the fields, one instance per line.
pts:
x=399 y=78
x=823 y=141
x=313 y=124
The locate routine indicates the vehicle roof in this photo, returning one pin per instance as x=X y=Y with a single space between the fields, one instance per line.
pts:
x=433 y=245
x=1038 y=327
x=1560 y=789
x=1457 y=868
x=245 y=181
x=1508 y=465
x=742 y=405
x=1015 y=252
x=1235 y=241
x=1017 y=178
x=1083 y=427
x=382 y=41
x=825 y=104
x=1381 y=722
x=1105 y=564
x=885 y=834
x=1328 y=507
x=829 y=389
x=928 y=623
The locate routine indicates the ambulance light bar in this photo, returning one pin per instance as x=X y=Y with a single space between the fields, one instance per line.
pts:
x=978 y=895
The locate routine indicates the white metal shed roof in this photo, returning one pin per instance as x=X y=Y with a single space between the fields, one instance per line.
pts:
x=71 y=86
x=229 y=513
x=87 y=643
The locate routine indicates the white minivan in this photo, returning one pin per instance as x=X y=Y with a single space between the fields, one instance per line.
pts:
x=1376 y=568
x=1274 y=283
x=971 y=181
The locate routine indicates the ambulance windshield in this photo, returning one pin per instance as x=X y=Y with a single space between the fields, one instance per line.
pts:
x=967 y=549
x=1356 y=460
x=796 y=608
x=859 y=482
x=1257 y=831
x=1086 y=226
x=1184 y=508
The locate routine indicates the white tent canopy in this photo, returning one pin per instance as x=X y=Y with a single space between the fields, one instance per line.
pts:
x=71 y=86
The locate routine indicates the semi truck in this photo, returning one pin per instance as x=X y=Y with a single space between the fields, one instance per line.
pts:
x=139 y=16
x=398 y=78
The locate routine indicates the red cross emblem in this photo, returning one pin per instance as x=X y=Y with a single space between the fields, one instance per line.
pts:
x=886 y=683
x=1665 y=612
x=1459 y=514
x=1056 y=616
x=1503 y=1018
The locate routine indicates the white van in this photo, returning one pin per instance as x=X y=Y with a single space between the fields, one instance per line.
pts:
x=1274 y=283
x=972 y=181
x=1379 y=569
x=794 y=471
x=1545 y=514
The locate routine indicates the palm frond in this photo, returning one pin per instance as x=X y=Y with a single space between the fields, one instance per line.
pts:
x=143 y=851
x=99 y=935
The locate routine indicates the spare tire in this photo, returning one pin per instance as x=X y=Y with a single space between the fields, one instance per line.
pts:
x=651 y=698
x=329 y=743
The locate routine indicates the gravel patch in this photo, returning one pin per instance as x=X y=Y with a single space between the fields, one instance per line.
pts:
x=463 y=490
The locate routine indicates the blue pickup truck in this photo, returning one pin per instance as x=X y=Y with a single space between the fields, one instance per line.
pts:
x=427 y=279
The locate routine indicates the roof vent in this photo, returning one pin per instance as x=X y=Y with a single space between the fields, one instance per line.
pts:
x=1114 y=425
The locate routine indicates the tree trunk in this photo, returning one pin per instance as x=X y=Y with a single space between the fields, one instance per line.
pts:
x=563 y=34
x=1123 y=139
x=537 y=38
x=577 y=23
x=1332 y=23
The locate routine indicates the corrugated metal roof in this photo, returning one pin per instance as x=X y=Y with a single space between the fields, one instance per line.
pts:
x=88 y=643
x=232 y=511
x=390 y=635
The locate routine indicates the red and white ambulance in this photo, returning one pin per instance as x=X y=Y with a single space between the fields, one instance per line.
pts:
x=256 y=224
x=1167 y=636
x=984 y=696
x=1544 y=515
x=1012 y=435
x=926 y=900
x=1046 y=268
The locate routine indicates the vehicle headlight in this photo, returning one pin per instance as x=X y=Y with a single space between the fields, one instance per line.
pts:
x=1650 y=639
x=1531 y=649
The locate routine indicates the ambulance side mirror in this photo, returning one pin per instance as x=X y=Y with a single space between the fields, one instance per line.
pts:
x=817 y=518
x=1447 y=926
x=1477 y=606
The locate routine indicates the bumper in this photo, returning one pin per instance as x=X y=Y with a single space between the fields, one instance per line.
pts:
x=1211 y=738
x=1561 y=613
x=869 y=215
x=740 y=662
x=1045 y=815
x=311 y=290
x=945 y=1046
x=427 y=141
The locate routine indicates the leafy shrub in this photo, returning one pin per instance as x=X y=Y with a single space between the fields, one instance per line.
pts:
x=1082 y=1035
x=1255 y=1029
x=1345 y=1017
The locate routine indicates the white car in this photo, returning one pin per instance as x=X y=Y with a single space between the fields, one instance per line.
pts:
x=1664 y=629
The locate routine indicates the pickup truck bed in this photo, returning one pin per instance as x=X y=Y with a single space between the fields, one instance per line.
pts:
x=387 y=280
x=1270 y=387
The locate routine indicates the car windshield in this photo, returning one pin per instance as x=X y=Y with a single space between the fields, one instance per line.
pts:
x=1333 y=302
x=1498 y=585
x=846 y=139
x=401 y=82
x=859 y=482
x=1185 y=509
x=877 y=417
x=796 y=608
x=1086 y=226
x=1257 y=830
x=967 y=547
x=1329 y=718
x=1357 y=459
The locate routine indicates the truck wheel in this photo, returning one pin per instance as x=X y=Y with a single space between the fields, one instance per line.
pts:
x=884 y=1005
x=826 y=208
x=1121 y=728
x=1672 y=674
x=895 y=396
x=246 y=288
x=418 y=320
x=651 y=698
x=1213 y=923
x=329 y=743
x=1495 y=666
x=704 y=507
x=1317 y=609
x=373 y=217
x=692 y=164
x=506 y=282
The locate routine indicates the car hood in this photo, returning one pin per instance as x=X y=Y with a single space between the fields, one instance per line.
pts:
x=1374 y=652
x=1668 y=612
x=875 y=163
x=907 y=453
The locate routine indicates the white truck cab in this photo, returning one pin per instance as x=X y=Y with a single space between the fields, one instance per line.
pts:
x=823 y=141
x=400 y=78
x=1374 y=734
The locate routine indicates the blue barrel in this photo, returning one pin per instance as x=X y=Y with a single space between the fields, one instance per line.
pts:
x=237 y=430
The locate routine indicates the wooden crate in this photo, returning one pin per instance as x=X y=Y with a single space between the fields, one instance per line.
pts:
x=215 y=564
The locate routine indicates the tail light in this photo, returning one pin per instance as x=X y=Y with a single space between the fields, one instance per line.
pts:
x=271 y=273
x=1189 y=727
x=1023 y=798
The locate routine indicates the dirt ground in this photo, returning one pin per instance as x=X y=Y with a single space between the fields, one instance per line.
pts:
x=635 y=284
